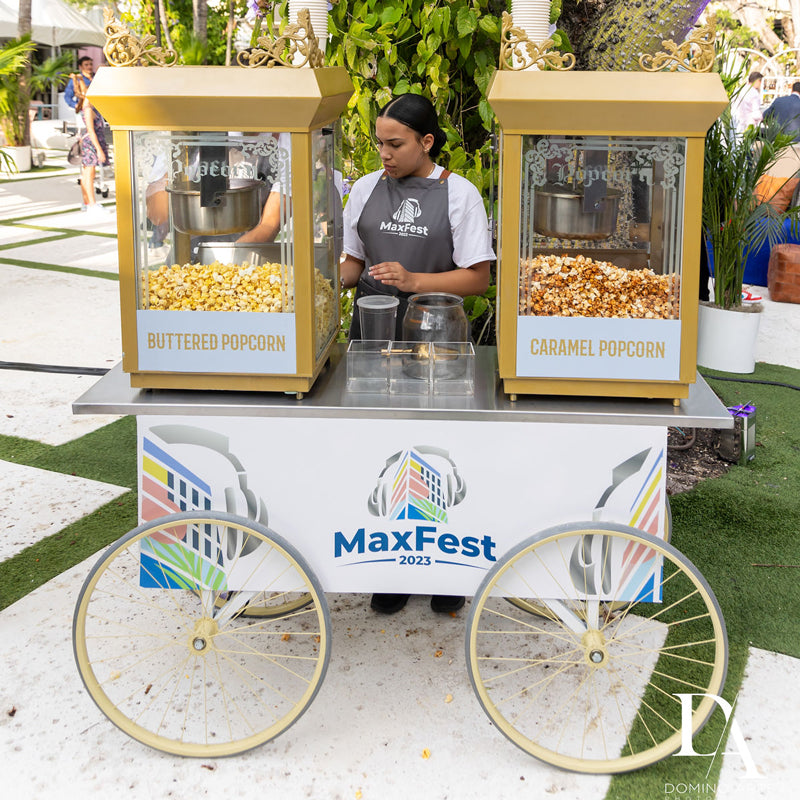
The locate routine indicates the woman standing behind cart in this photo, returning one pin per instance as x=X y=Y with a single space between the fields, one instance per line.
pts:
x=413 y=227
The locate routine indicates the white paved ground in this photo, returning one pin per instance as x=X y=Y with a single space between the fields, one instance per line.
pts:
x=383 y=700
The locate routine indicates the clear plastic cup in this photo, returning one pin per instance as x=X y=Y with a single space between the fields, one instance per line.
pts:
x=377 y=314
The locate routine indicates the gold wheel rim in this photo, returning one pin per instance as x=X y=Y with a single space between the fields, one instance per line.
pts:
x=506 y=683
x=182 y=683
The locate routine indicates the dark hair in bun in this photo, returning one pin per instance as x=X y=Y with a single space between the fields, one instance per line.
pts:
x=418 y=113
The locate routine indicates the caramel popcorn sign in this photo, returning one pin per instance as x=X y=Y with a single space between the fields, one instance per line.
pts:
x=214 y=341
x=588 y=347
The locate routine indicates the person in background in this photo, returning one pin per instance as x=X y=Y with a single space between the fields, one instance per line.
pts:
x=413 y=227
x=94 y=150
x=78 y=84
x=746 y=108
x=786 y=112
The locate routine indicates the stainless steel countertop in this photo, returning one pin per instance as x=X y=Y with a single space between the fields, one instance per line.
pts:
x=329 y=397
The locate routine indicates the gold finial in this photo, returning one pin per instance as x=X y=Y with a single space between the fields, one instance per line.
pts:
x=696 y=54
x=125 y=49
x=517 y=52
x=281 y=50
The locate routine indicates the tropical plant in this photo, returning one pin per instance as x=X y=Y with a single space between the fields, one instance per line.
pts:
x=53 y=71
x=14 y=96
x=735 y=220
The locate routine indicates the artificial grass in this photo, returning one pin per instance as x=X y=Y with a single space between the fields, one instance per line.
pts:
x=47 y=559
x=107 y=454
x=750 y=515
x=89 y=273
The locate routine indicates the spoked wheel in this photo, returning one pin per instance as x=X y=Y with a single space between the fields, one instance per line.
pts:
x=164 y=651
x=589 y=683
x=269 y=604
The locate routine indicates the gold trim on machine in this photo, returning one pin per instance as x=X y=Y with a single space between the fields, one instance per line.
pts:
x=125 y=49
x=515 y=47
x=282 y=50
x=696 y=54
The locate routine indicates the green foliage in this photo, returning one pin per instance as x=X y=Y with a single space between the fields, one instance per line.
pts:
x=179 y=20
x=736 y=34
x=53 y=71
x=735 y=221
x=446 y=50
x=191 y=51
x=14 y=96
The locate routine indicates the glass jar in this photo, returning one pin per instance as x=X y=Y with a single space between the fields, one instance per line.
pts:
x=435 y=317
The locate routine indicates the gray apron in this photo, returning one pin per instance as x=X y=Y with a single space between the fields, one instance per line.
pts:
x=407 y=221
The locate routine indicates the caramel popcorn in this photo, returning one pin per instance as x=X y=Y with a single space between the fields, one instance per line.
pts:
x=563 y=286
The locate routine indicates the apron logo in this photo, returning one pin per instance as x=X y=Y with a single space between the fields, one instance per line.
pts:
x=408 y=211
x=403 y=225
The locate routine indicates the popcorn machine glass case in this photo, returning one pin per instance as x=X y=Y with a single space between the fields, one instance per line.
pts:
x=205 y=156
x=601 y=189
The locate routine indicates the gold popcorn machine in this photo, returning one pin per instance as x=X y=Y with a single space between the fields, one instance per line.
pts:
x=599 y=242
x=229 y=212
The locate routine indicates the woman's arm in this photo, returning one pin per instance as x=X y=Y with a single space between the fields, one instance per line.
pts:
x=270 y=222
x=462 y=281
x=350 y=269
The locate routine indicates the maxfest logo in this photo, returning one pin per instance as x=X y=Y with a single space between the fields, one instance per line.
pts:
x=404 y=220
x=419 y=484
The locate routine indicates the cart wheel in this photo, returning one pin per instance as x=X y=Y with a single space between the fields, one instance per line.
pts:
x=269 y=604
x=592 y=687
x=182 y=672
x=104 y=193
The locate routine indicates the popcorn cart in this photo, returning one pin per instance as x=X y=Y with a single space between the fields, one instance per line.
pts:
x=205 y=156
x=599 y=244
x=205 y=631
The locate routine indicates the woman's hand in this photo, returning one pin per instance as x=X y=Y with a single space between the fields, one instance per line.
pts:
x=393 y=273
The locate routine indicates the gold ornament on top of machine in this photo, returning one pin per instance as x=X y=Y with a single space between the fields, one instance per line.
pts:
x=600 y=197
x=229 y=215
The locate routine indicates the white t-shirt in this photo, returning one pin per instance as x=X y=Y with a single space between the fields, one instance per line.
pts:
x=746 y=110
x=472 y=242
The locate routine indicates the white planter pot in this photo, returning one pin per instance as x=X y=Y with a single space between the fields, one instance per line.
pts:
x=726 y=339
x=21 y=156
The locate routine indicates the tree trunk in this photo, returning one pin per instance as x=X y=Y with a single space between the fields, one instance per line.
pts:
x=200 y=20
x=23 y=28
x=162 y=15
x=621 y=31
x=794 y=6
x=229 y=33
x=754 y=18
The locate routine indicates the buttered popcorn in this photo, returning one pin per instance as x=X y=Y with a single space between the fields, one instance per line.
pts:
x=221 y=287
x=563 y=286
x=233 y=287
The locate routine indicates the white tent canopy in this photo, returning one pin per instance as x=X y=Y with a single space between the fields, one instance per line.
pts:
x=54 y=23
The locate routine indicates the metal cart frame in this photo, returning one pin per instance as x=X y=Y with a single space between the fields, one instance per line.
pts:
x=205 y=630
